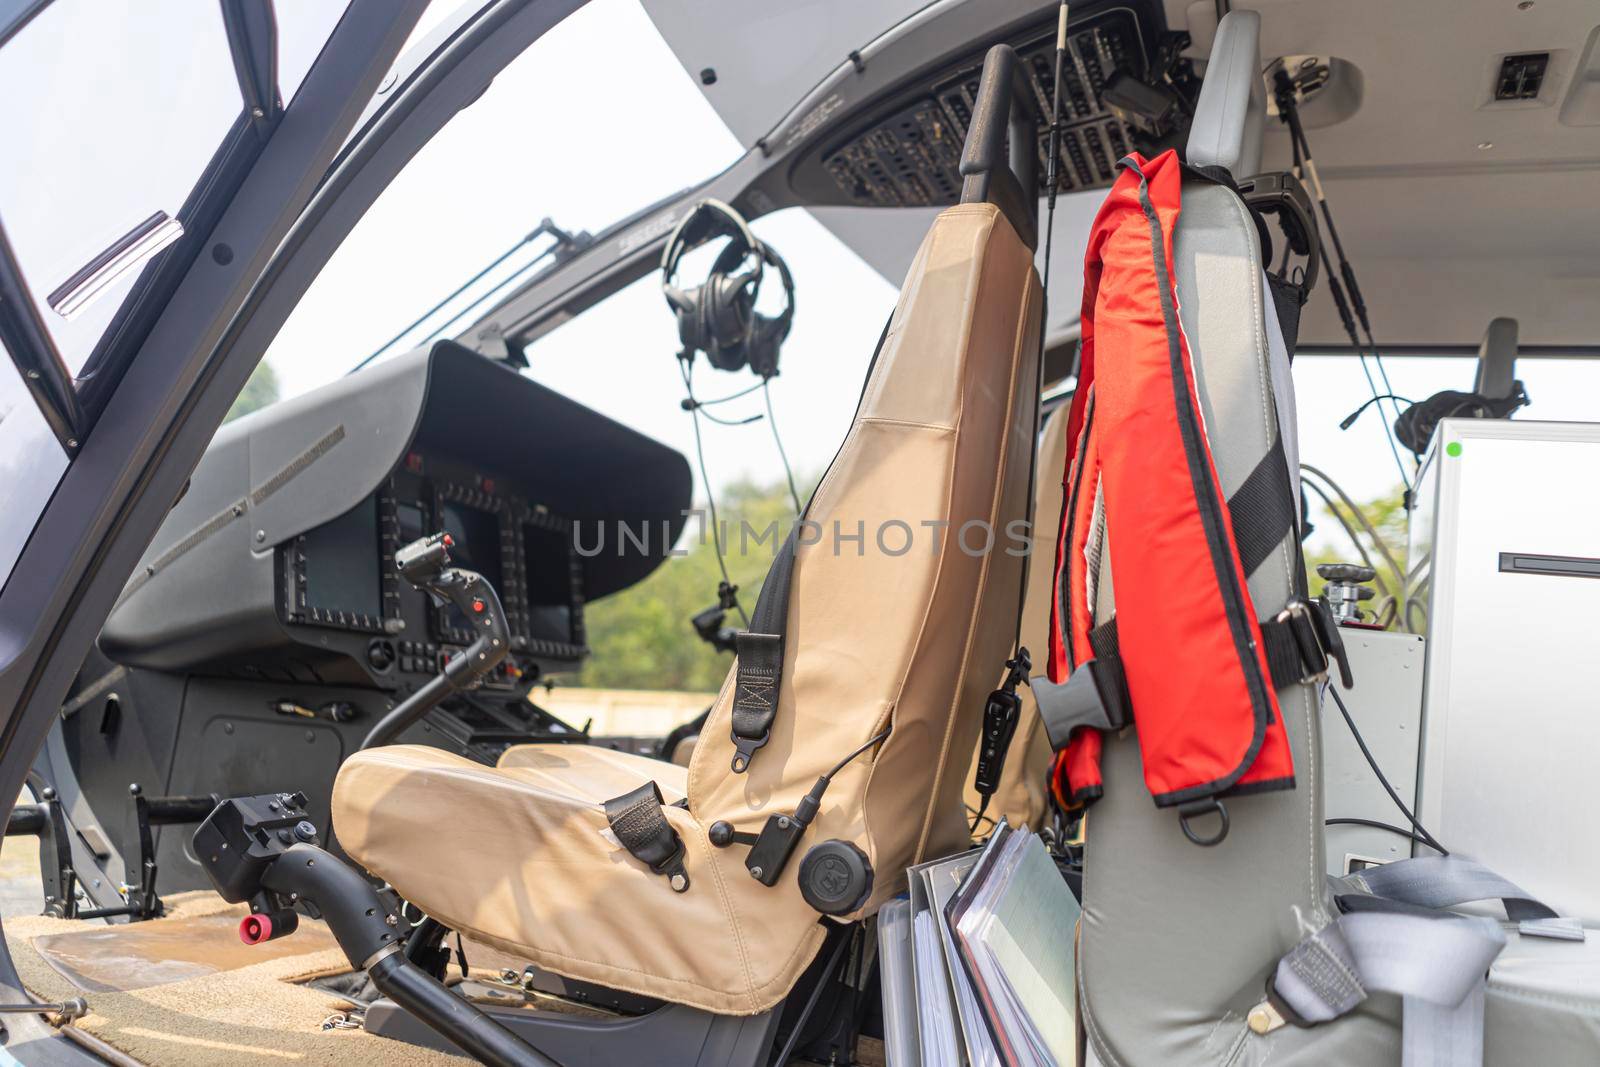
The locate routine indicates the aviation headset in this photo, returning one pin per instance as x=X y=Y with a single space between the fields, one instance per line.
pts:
x=719 y=316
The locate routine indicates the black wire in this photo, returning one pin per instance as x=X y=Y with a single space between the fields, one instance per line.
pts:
x=1425 y=837
x=705 y=480
x=1350 y=419
x=1303 y=159
x=811 y=1001
x=788 y=473
x=977 y=816
x=884 y=736
x=1376 y=825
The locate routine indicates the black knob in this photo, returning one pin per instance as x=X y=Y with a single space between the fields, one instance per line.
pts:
x=340 y=711
x=721 y=834
x=380 y=655
x=835 y=877
x=1346 y=572
x=305 y=831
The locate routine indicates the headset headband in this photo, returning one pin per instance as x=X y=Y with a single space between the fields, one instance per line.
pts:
x=700 y=226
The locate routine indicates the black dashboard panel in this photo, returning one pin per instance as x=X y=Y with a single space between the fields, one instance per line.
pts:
x=278 y=564
x=340 y=576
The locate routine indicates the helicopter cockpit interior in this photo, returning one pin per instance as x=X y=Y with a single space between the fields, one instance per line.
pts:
x=1056 y=732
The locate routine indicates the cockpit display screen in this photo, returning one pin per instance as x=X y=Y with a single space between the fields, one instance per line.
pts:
x=548 y=561
x=341 y=569
x=476 y=534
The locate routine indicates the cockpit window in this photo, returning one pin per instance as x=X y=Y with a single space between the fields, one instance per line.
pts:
x=31 y=464
x=555 y=136
x=113 y=116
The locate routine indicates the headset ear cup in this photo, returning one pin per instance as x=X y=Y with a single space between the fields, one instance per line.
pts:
x=766 y=340
x=729 y=309
x=686 y=305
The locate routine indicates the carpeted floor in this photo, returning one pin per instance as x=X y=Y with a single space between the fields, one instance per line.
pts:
x=216 y=1011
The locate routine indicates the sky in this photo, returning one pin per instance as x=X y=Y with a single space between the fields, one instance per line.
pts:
x=561 y=135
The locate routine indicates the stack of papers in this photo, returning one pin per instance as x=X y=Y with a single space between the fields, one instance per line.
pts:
x=989 y=964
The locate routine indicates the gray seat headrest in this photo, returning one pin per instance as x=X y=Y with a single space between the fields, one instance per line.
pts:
x=1497 y=359
x=1232 y=111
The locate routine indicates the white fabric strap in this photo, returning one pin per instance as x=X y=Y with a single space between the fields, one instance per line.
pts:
x=1443 y=882
x=1437 y=964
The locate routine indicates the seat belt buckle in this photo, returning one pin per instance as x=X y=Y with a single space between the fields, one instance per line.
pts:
x=1274 y=1012
x=1300 y=617
x=1332 y=640
x=672 y=868
x=744 y=748
x=1091 y=696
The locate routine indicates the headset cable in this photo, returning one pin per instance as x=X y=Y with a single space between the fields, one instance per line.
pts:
x=705 y=480
x=788 y=472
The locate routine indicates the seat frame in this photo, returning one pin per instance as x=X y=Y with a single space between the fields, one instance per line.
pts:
x=825 y=1009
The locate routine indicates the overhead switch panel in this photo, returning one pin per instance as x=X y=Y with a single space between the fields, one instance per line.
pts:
x=1521 y=76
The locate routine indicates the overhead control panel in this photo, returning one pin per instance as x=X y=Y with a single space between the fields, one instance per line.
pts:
x=910 y=154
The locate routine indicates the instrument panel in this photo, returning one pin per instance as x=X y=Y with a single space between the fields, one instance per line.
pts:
x=341 y=576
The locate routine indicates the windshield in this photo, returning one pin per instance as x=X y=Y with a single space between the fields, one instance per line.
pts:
x=613 y=146
x=557 y=135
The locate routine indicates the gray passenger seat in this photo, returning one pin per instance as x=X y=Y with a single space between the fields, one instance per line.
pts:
x=1177 y=940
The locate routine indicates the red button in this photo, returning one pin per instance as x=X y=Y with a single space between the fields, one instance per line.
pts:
x=477 y=606
x=449 y=542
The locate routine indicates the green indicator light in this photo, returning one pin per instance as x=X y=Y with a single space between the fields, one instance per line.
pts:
x=1453 y=448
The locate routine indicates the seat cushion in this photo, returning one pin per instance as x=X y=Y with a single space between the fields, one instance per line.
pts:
x=600 y=774
x=1542 y=1006
x=1543 y=1003
x=521 y=856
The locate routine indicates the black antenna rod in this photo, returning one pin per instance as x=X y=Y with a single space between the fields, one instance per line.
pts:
x=1289 y=112
x=563 y=239
x=1051 y=157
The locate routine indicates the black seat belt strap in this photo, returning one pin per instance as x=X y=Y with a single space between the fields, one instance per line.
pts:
x=759 y=669
x=1302 y=642
x=1263 y=508
x=642 y=829
x=758 y=673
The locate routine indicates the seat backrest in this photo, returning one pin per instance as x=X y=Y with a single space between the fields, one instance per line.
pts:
x=1177 y=940
x=904 y=596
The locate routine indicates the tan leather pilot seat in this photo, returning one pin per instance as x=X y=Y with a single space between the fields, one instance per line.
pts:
x=880 y=632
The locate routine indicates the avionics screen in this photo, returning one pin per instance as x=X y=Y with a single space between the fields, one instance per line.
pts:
x=477 y=548
x=342 y=560
x=548 y=560
x=413 y=523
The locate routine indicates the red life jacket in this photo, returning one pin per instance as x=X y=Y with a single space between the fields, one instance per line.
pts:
x=1197 y=679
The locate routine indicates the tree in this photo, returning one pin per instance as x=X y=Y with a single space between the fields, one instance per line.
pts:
x=260 y=391
x=641 y=638
x=1386 y=515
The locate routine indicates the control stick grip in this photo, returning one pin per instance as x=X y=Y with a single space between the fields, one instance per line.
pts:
x=425 y=563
